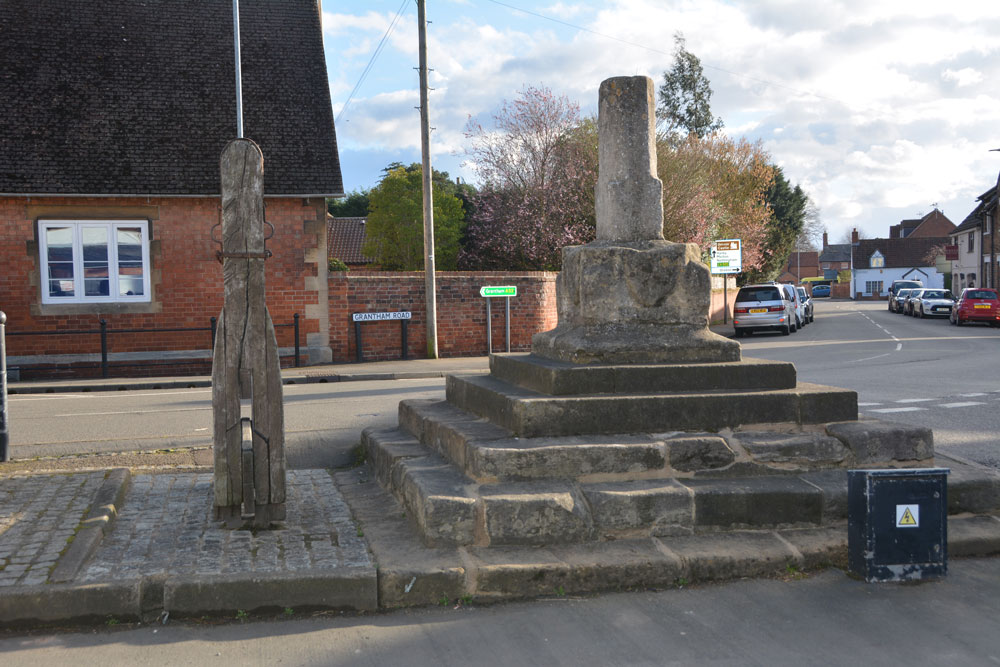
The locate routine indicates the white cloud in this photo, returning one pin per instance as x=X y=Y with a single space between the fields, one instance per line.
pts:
x=876 y=108
x=963 y=77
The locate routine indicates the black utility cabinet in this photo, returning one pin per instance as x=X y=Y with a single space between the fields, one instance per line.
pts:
x=897 y=526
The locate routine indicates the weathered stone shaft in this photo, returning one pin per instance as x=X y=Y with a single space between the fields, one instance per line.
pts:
x=629 y=195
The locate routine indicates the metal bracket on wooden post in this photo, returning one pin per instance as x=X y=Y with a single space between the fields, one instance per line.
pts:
x=4 y=435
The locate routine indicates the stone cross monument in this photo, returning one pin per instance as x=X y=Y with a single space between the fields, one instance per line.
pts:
x=630 y=296
x=249 y=430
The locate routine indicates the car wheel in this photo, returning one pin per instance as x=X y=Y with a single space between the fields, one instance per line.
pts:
x=738 y=333
x=921 y=316
x=787 y=330
x=958 y=321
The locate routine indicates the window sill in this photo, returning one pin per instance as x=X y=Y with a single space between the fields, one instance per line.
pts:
x=104 y=308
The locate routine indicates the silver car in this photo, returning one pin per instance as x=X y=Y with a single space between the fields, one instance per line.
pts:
x=930 y=302
x=807 y=304
x=764 y=307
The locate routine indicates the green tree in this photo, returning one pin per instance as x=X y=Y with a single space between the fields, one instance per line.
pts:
x=685 y=96
x=788 y=217
x=354 y=205
x=395 y=229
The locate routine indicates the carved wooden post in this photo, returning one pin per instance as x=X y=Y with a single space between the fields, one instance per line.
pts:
x=249 y=438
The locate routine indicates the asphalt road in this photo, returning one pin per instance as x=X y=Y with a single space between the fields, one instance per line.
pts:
x=323 y=422
x=824 y=619
x=905 y=369
x=924 y=372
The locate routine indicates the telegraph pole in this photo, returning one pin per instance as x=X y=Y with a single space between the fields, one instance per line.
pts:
x=425 y=150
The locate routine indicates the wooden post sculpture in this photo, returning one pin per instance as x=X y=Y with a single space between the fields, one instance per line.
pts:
x=249 y=429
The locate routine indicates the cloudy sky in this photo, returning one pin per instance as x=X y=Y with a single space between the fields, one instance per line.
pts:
x=879 y=109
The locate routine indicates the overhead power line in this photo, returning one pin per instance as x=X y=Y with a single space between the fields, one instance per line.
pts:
x=371 y=61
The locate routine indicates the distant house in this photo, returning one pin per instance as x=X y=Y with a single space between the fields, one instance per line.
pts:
x=877 y=262
x=800 y=265
x=834 y=258
x=113 y=114
x=346 y=240
x=935 y=224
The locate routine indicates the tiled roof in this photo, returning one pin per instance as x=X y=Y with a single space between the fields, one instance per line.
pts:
x=345 y=237
x=898 y=253
x=972 y=221
x=839 y=252
x=138 y=96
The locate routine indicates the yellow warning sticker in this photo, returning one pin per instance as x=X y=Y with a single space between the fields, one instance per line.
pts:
x=907 y=516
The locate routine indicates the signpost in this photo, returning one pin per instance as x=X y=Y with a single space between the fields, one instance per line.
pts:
x=403 y=316
x=727 y=257
x=505 y=292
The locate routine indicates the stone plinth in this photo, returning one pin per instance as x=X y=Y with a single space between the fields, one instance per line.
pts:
x=635 y=302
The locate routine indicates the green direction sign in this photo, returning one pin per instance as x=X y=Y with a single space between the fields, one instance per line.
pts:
x=508 y=290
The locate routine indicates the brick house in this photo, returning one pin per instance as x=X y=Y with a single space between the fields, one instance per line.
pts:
x=834 y=258
x=978 y=257
x=801 y=264
x=903 y=256
x=113 y=114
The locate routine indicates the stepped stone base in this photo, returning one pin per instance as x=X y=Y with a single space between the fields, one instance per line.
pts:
x=543 y=452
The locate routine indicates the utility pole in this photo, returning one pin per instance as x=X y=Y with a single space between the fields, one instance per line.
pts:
x=239 y=76
x=430 y=295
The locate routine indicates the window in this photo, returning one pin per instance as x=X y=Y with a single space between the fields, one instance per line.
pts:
x=873 y=287
x=972 y=242
x=94 y=261
x=987 y=223
x=876 y=261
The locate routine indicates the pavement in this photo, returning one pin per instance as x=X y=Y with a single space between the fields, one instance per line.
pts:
x=139 y=543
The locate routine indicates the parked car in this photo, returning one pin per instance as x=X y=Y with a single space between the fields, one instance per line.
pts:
x=976 y=304
x=820 y=290
x=908 y=301
x=763 y=307
x=897 y=298
x=800 y=311
x=897 y=285
x=807 y=304
x=932 y=303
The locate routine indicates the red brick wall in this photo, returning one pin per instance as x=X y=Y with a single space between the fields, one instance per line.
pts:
x=461 y=312
x=186 y=277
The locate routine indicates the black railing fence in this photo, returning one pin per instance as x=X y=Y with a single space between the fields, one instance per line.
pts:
x=105 y=332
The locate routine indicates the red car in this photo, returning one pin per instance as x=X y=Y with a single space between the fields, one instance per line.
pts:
x=976 y=305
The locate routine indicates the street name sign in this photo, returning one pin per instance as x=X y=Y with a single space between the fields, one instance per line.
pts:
x=377 y=317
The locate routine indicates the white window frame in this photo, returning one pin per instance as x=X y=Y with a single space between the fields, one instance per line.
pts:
x=876 y=261
x=874 y=287
x=79 y=296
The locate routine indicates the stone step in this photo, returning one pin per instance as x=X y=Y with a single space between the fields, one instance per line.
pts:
x=529 y=413
x=449 y=508
x=488 y=453
x=561 y=378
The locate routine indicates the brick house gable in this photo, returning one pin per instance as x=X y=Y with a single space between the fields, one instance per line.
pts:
x=121 y=97
x=934 y=224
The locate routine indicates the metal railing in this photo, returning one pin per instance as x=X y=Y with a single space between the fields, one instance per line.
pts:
x=104 y=332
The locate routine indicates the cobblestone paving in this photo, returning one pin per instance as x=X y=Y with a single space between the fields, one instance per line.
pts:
x=166 y=527
x=38 y=515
